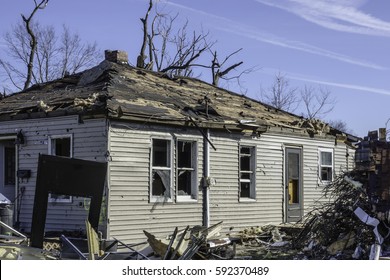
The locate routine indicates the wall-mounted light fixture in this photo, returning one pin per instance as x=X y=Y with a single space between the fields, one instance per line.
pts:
x=19 y=138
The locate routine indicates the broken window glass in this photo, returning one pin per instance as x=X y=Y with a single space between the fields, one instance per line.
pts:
x=184 y=154
x=161 y=168
x=184 y=182
x=161 y=183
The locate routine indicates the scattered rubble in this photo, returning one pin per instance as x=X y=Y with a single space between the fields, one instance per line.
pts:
x=345 y=226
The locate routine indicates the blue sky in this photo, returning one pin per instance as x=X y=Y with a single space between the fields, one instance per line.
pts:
x=342 y=45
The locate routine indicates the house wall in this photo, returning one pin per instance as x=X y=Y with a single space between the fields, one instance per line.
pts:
x=89 y=143
x=130 y=211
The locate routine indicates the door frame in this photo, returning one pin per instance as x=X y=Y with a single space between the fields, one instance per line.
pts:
x=292 y=212
x=8 y=138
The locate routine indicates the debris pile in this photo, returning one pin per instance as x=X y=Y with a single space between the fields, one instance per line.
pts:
x=192 y=243
x=345 y=226
x=265 y=242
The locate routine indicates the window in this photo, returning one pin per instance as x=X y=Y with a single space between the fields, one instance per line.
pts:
x=9 y=165
x=167 y=162
x=247 y=172
x=186 y=170
x=60 y=145
x=161 y=169
x=326 y=165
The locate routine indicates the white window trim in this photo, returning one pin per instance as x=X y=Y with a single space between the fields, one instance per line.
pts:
x=252 y=191
x=50 y=152
x=327 y=150
x=53 y=137
x=194 y=183
x=2 y=157
x=153 y=198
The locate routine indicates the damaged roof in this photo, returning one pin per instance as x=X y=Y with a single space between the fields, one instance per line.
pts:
x=120 y=91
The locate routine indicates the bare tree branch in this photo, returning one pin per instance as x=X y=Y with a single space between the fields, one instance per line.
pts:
x=216 y=67
x=281 y=95
x=171 y=50
x=33 y=40
x=141 y=56
x=11 y=71
x=318 y=103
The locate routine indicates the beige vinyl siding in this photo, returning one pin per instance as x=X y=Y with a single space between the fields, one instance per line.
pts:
x=130 y=211
x=224 y=197
x=89 y=142
x=269 y=204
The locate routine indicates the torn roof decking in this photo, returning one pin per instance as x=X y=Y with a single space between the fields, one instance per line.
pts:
x=124 y=92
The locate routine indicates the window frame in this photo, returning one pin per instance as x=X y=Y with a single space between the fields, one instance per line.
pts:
x=51 y=151
x=155 y=198
x=320 y=165
x=252 y=172
x=193 y=197
x=52 y=138
x=6 y=172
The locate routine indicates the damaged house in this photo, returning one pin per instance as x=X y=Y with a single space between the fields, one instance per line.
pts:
x=178 y=151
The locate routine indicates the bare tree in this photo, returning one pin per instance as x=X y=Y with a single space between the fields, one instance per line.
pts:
x=281 y=95
x=217 y=70
x=170 y=50
x=340 y=125
x=75 y=54
x=146 y=37
x=318 y=103
x=176 y=50
x=54 y=56
x=45 y=53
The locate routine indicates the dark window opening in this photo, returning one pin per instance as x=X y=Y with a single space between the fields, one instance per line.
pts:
x=185 y=168
x=9 y=166
x=247 y=172
x=161 y=153
x=62 y=147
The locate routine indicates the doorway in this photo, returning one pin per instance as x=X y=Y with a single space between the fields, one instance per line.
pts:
x=8 y=168
x=293 y=185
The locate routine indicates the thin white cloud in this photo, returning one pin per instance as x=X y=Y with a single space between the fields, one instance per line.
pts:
x=341 y=15
x=341 y=85
x=255 y=34
x=300 y=46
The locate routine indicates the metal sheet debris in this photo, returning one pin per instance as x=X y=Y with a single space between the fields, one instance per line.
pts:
x=365 y=218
